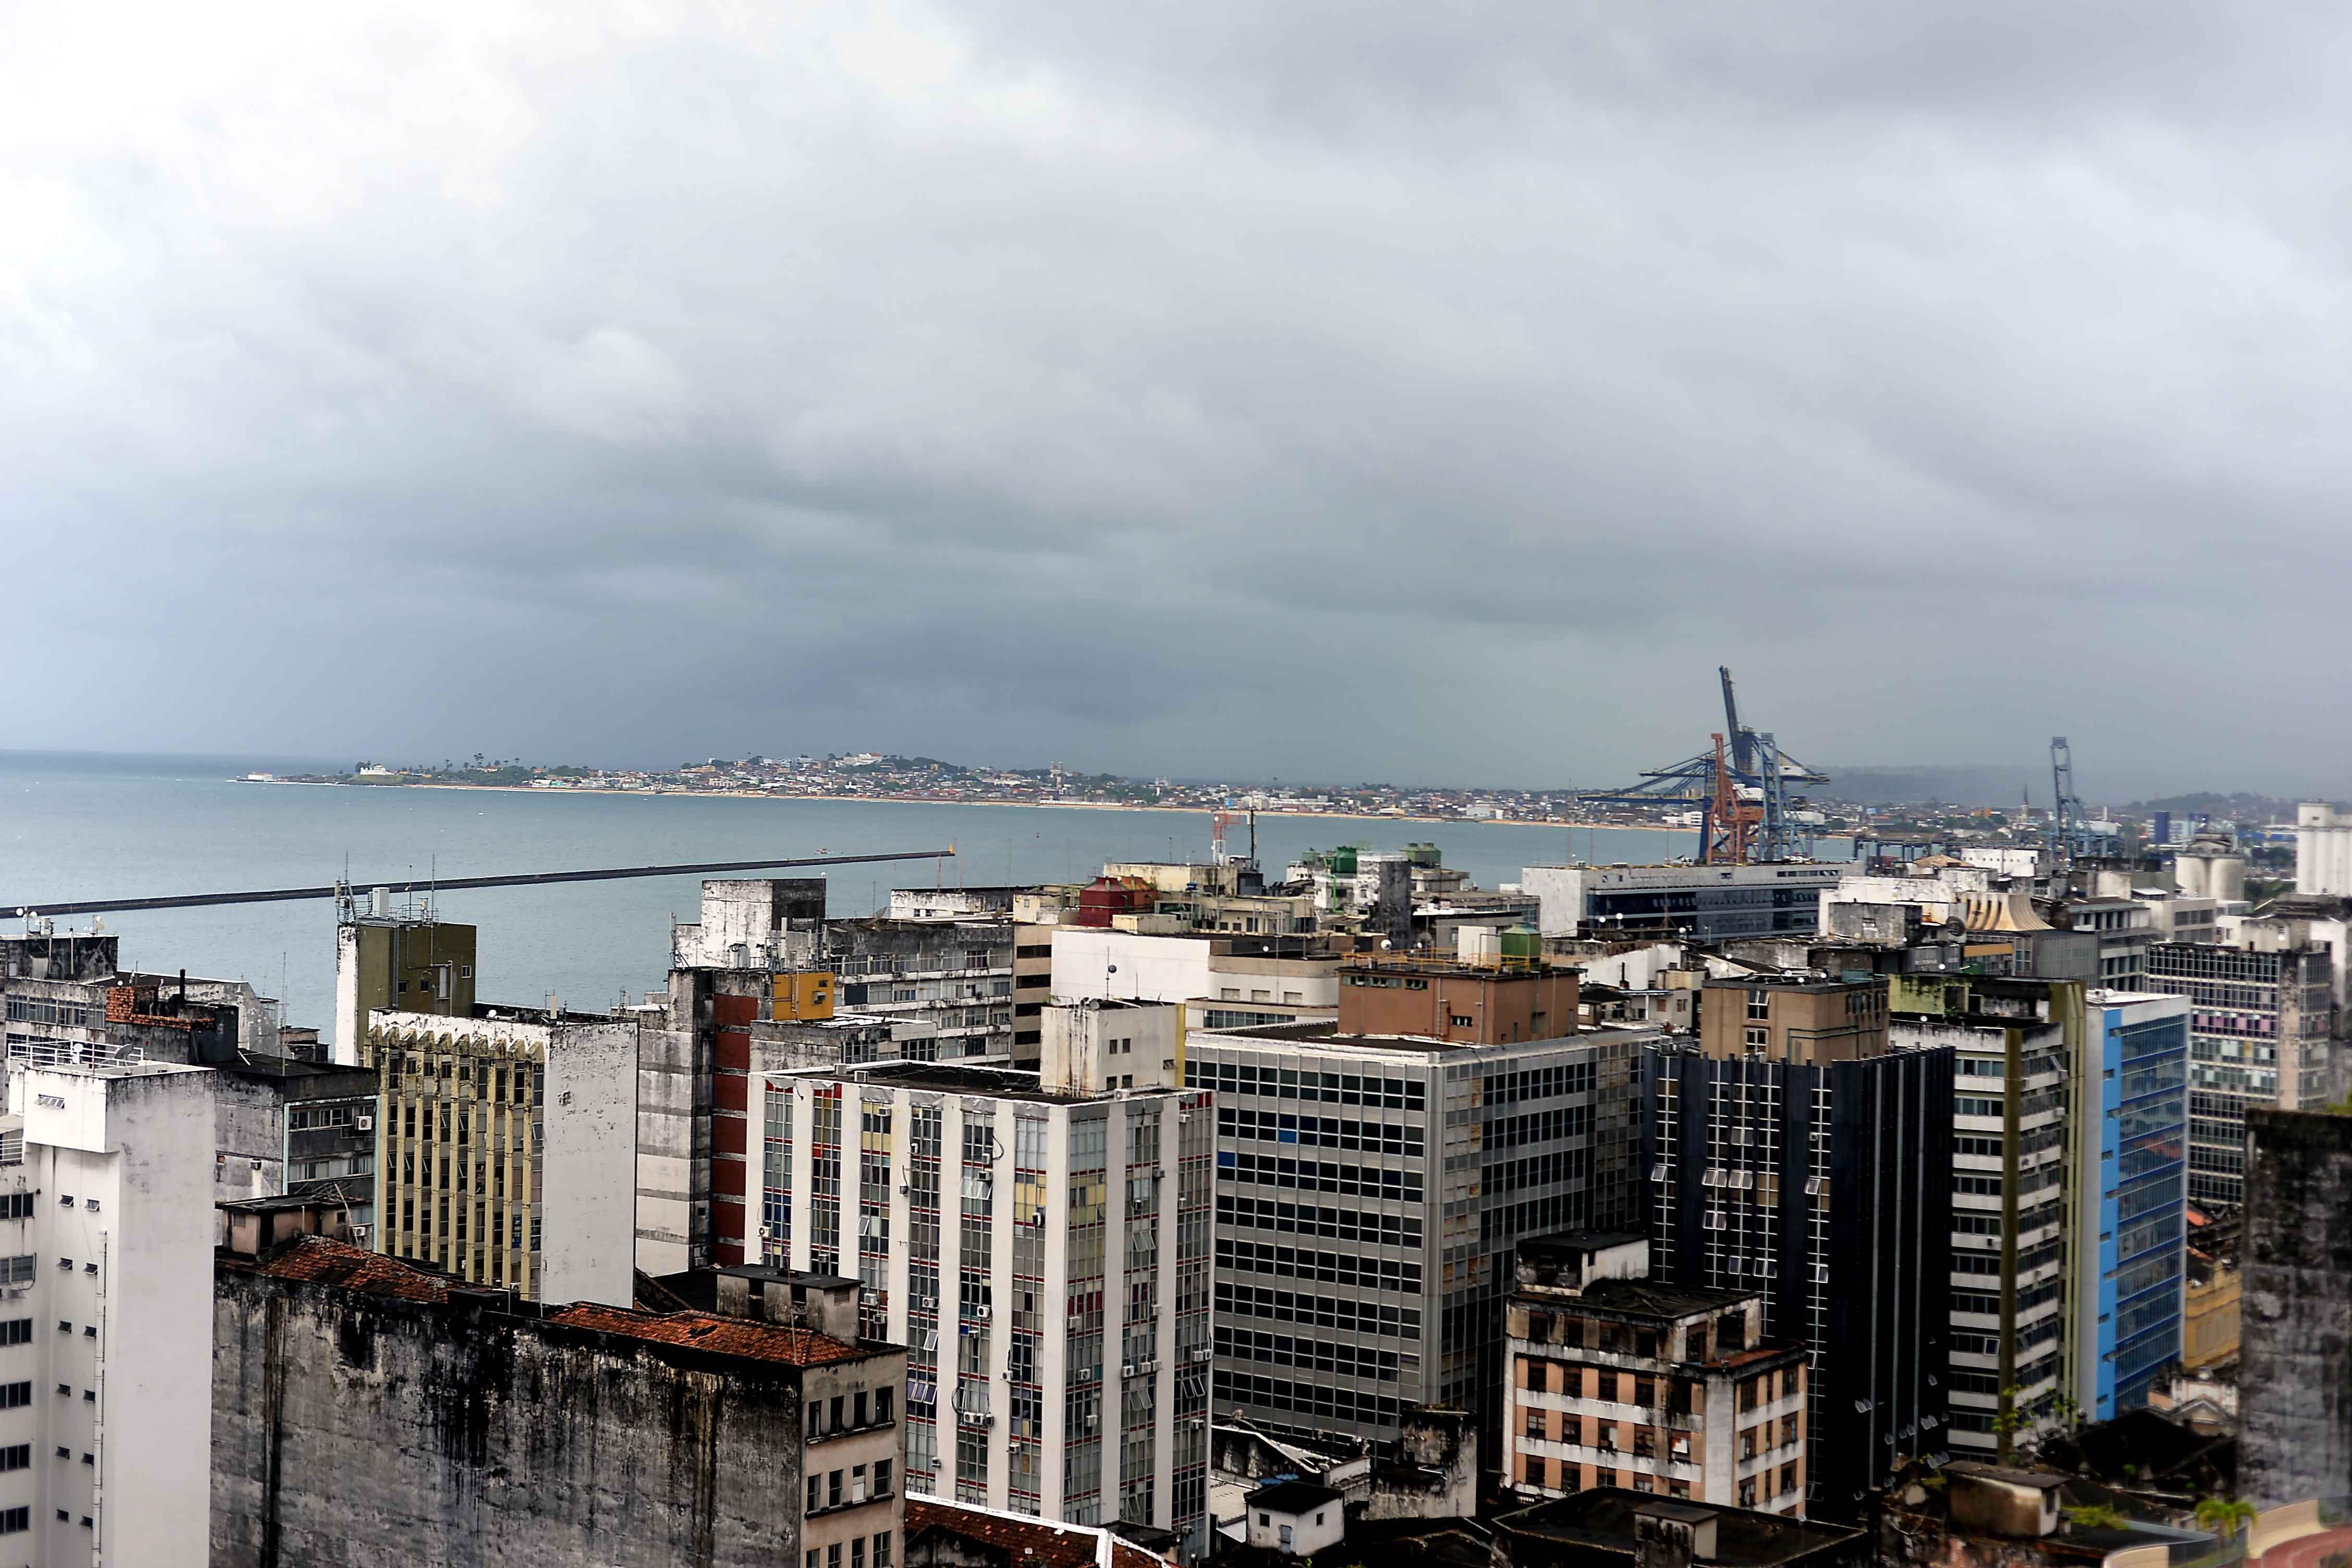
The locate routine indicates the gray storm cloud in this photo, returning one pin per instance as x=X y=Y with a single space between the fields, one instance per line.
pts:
x=1321 y=390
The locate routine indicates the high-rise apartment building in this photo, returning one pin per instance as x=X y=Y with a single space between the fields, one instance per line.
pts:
x=505 y=1147
x=106 y=1265
x=2258 y=1035
x=1372 y=1185
x=1041 y=1246
x=1793 y=1151
x=2014 y=1044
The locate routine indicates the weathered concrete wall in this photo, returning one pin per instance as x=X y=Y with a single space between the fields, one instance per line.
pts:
x=249 y=1129
x=352 y=1430
x=2295 y=1432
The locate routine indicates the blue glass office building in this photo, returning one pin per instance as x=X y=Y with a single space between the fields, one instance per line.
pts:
x=2132 y=1184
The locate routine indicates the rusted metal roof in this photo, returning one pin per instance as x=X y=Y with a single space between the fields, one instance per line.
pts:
x=745 y=1337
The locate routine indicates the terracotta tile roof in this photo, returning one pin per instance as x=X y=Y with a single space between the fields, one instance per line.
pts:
x=323 y=1261
x=721 y=1336
x=1029 y=1542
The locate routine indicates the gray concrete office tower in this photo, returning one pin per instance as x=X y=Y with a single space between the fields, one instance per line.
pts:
x=1369 y=1191
x=2295 y=1428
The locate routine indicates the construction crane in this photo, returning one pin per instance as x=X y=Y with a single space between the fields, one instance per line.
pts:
x=2065 y=811
x=1744 y=787
x=2071 y=836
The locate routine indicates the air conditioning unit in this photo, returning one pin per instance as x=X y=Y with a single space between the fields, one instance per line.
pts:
x=364 y=1123
x=767 y=1233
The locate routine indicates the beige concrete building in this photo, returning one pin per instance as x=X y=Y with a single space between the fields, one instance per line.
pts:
x=1809 y=1023
x=1448 y=1000
x=1618 y=1381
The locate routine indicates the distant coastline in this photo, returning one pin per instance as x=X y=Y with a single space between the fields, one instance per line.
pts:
x=969 y=800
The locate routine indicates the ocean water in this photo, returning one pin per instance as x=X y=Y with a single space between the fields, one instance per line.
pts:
x=84 y=826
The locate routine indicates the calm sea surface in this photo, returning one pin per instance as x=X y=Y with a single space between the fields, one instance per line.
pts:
x=80 y=827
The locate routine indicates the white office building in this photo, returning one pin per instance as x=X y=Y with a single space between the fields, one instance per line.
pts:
x=106 y=1251
x=1041 y=1246
x=1292 y=974
x=1705 y=901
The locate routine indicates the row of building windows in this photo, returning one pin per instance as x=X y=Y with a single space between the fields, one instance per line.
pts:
x=1283 y=1083
x=1338 y=1357
x=492 y=1081
x=1330 y=1267
x=1319 y=1132
x=849 y=1487
x=1310 y=1399
x=1534 y=1170
x=49 y=1010
x=1309 y=1309
x=830 y=1556
x=1315 y=1176
x=1310 y=1219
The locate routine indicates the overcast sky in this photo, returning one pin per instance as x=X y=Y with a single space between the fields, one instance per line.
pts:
x=1318 y=390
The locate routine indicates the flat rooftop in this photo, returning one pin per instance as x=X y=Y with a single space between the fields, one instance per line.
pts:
x=951 y=1077
x=1326 y=1034
x=1560 y=1243
x=1794 y=982
x=1603 y=1518
x=1643 y=1297
x=789 y=1276
x=252 y=1064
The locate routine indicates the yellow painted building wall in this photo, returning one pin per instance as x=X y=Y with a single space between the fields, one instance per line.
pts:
x=804 y=996
x=2210 y=1334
